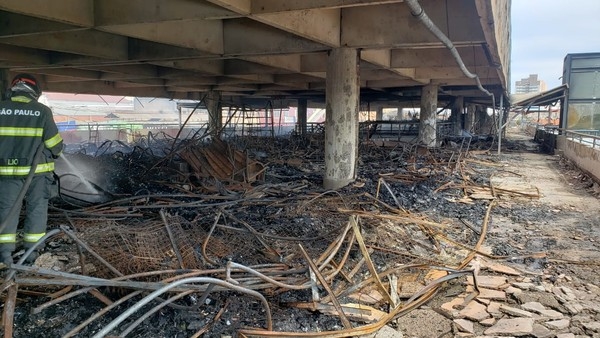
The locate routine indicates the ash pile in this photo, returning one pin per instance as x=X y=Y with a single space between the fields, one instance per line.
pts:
x=205 y=237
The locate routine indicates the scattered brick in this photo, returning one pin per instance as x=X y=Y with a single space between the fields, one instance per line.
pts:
x=474 y=311
x=464 y=325
x=558 y=324
x=511 y=327
x=515 y=312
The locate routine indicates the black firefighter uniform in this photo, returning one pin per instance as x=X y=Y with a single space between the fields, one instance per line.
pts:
x=24 y=124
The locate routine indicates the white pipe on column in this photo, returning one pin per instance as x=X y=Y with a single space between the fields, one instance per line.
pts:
x=418 y=12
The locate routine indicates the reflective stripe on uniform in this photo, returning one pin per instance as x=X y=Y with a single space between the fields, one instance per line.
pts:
x=29 y=132
x=8 y=238
x=54 y=140
x=24 y=170
x=33 y=238
x=23 y=99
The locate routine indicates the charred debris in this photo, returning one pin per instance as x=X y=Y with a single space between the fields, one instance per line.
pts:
x=236 y=237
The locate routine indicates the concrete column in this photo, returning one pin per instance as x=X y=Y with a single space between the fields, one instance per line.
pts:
x=215 y=113
x=470 y=118
x=399 y=114
x=341 y=117
x=379 y=114
x=456 y=115
x=302 y=116
x=484 y=121
x=427 y=122
x=179 y=119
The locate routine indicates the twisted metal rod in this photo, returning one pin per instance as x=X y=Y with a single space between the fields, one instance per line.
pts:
x=110 y=326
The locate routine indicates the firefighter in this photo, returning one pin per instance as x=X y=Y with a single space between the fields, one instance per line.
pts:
x=29 y=139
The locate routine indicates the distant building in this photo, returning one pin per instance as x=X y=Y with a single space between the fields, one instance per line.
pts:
x=530 y=85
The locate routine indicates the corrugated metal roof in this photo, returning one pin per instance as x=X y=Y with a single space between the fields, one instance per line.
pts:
x=544 y=98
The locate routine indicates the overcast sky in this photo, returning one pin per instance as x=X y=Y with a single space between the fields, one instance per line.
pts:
x=545 y=31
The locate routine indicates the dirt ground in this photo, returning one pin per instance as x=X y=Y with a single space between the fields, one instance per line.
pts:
x=564 y=222
x=563 y=226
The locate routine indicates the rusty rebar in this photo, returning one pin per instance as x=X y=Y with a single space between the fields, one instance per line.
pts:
x=172 y=239
x=9 y=310
x=324 y=284
x=90 y=250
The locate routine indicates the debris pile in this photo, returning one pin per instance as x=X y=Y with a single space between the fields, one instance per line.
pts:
x=238 y=237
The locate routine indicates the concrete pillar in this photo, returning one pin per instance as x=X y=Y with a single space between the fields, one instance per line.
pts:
x=379 y=114
x=341 y=117
x=399 y=114
x=470 y=118
x=215 y=113
x=484 y=122
x=302 y=116
x=179 y=119
x=427 y=122
x=456 y=115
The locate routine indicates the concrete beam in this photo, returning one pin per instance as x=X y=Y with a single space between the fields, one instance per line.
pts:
x=294 y=78
x=394 y=18
x=58 y=78
x=83 y=42
x=376 y=74
x=69 y=74
x=237 y=88
x=314 y=63
x=119 y=12
x=196 y=34
x=12 y=25
x=201 y=81
x=280 y=87
x=188 y=89
x=291 y=62
x=270 y=6
x=201 y=66
x=246 y=79
x=76 y=12
x=381 y=57
x=139 y=83
x=438 y=57
x=495 y=22
x=242 y=7
x=322 y=26
x=107 y=88
x=22 y=55
x=463 y=81
x=318 y=85
x=62 y=60
x=392 y=83
x=247 y=37
x=447 y=72
x=126 y=71
x=147 y=50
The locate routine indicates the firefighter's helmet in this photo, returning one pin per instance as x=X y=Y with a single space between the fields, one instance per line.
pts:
x=26 y=83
